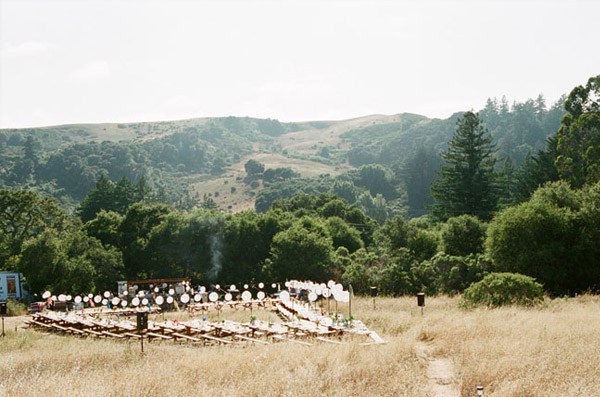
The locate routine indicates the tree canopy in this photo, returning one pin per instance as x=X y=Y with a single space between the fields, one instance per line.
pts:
x=467 y=181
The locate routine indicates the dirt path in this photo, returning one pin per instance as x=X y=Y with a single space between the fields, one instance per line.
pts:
x=440 y=372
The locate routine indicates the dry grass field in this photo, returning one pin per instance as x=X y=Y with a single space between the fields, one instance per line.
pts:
x=547 y=351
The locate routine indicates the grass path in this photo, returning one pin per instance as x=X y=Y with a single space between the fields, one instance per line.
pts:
x=440 y=371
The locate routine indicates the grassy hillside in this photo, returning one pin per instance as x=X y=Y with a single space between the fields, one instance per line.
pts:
x=186 y=161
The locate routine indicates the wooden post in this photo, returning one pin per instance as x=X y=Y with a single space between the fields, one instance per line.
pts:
x=350 y=293
x=3 y=311
x=142 y=326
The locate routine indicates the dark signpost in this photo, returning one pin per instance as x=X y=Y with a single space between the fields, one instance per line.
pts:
x=421 y=301
x=373 y=295
x=142 y=326
x=2 y=314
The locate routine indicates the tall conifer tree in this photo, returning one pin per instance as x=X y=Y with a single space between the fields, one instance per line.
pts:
x=467 y=182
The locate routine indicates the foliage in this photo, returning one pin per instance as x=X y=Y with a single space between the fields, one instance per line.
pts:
x=110 y=196
x=135 y=230
x=552 y=237
x=535 y=172
x=452 y=274
x=343 y=235
x=254 y=167
x=105 y=227
x=23 y=215
x=66 y=263
x=397 y=234
x=467 y=179
x=578 y=145
x=501 y=289
x=463 y=235
x=418 y=173
x=377 y=179
x=15 y=308
x=398 y=277
x=188 y=244
x=361 y=269
x=304 y=251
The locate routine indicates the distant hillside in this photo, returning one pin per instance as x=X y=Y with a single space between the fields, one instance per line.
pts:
x=199 y=161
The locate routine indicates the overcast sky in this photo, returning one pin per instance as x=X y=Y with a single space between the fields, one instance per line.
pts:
x=116 y=61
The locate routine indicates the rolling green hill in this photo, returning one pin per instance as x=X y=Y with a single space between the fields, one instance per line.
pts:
x=190 y=162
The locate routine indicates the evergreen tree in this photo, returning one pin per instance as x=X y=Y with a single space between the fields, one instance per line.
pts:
x=418 y=174
x=578 y=138
x=467 y=182
x=536 y=171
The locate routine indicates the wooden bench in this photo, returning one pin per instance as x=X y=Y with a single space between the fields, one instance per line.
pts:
x=337 y=342
x=92 y=332
x=158 y=336
x=262 y=342
x=76 y=331
x=59 y=328
x=210 y=337
x=186 y=337
x=284 y=339
x=39 y=324
x=112 y=334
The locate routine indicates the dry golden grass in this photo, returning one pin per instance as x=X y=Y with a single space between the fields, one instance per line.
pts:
x=549 y=351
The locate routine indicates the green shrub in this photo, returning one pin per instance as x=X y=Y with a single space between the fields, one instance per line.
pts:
x=501 y=289
x=15 y=308
x=463 y=235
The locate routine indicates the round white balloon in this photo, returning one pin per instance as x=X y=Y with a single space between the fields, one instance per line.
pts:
x=159 y=300
x=246 y=296
x=213 y=297
x=284 y=296
x=260 y=295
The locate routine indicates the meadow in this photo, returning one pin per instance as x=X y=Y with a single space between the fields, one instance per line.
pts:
x=550 y=350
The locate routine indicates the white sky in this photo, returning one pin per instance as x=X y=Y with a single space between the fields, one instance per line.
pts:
x=133 y=60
